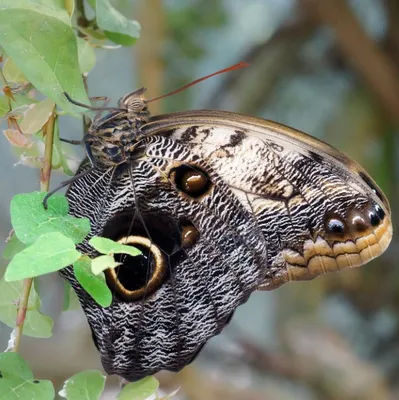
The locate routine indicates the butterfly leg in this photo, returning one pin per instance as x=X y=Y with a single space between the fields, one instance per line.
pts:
x=65 y=183
x=105 y=100
x=74 y=142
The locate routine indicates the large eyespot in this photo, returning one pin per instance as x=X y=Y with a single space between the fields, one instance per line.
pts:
x=191 y=180
x=138 y=276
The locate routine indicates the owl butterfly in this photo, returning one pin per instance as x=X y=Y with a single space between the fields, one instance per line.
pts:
x=221 y=205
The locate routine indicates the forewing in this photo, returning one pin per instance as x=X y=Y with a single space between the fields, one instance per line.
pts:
x=318 y=210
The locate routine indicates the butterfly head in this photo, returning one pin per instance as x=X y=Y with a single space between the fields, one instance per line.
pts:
x=111 y=140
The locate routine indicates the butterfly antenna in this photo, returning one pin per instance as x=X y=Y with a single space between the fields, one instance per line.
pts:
x=92 y=108
x=240 y=65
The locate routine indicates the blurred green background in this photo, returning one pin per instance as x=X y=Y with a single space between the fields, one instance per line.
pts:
x=328 y=68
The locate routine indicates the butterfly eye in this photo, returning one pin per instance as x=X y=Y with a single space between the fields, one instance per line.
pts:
x=136 y=105
x=137 y=276
x=192 y=181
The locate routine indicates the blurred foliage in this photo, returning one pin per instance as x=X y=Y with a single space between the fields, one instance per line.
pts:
x=185 y=43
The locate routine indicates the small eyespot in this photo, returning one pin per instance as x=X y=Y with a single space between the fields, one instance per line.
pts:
x=374 y=218
x=358 y=223
x=380 y=212
x=192 y=181
x=335 y=225
x=189 y=236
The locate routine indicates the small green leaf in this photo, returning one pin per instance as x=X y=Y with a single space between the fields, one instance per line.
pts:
x=13 y=246
x=45 y=49
x=51 y=252
x=12 y=73
x=30 y=219
x=87 y=56
x=108 y=246
x=37 y=116
x=13 y=365
x=21 y=389
x=95 y=285
x=86 y=385
x=69 y=6
x=71 y=300
x=139 y=390
x=116 y=27
x=36 y=324
x=101 y=263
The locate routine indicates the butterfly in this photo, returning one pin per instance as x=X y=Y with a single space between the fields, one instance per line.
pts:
x=220 y=204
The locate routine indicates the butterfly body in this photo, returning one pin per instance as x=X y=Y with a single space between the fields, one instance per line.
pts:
x=221 y=205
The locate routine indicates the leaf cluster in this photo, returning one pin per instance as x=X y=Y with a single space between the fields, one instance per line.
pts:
x=47 y=46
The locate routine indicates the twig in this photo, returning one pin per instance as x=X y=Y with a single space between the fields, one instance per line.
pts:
x=371 y=63
x=48 y=154
x=45 y=174
x=81 y=15
x=149 y=50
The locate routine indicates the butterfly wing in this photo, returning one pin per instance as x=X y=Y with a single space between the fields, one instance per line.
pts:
x=319 y=210
x=220 y=205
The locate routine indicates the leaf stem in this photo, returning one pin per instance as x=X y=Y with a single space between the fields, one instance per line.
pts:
x=45 y=174
x=23 y=304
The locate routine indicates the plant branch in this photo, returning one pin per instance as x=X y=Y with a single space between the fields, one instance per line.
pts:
x=373 y=65
x=45 y=174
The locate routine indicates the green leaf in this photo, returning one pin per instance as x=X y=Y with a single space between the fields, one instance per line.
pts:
x=51 y=252
x=13 y=365
x=17 y=381
x=69 y=6
x=30 y=219
x=12 y=73
x=13 y=246
x=39 y=38
x=116 y=27
x=139 y=390
x=108 y=246
x=71 y=300
x=86 y=385
x=95 y=285
x=37 y=116
x=101 y=263
x=87 y=56
x=36 y=324
x=21 y=389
